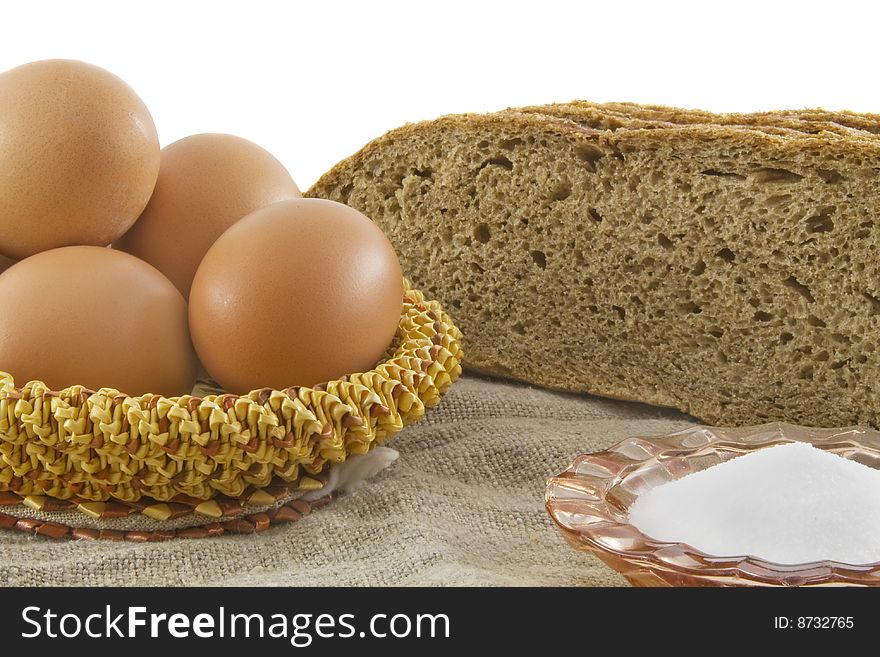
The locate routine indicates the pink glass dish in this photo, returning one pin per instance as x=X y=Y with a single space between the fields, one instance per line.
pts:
x=589 y=503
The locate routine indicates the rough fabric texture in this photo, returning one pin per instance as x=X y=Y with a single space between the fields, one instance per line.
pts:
x=722 y=265
x=463 y=505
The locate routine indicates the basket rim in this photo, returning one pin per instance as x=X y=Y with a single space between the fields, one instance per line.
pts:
x=181 y=439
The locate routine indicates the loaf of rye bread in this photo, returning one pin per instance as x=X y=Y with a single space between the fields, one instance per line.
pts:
x=724 y=265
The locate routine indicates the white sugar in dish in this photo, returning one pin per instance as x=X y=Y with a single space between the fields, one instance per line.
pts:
x=789 y=504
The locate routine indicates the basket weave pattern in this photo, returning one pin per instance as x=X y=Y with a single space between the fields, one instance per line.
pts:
x=100 y=445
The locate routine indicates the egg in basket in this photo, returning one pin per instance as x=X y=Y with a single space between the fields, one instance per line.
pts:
x=295 y=310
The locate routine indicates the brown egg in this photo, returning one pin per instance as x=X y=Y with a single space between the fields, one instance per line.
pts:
x=206 y=183
x=297 y=293
x=5 y=263
x=79 y=157
x=96 y=317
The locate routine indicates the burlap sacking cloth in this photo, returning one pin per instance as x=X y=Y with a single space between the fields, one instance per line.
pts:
x=463 y=505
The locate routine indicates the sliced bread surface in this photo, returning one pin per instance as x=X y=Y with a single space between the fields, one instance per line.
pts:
x=725 y=270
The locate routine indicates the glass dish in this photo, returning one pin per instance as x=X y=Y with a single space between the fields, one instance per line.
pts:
x=589 y=503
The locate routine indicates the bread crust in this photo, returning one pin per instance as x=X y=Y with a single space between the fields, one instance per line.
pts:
x=631 y=115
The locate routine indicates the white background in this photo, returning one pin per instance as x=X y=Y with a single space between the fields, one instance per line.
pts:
x=314 y=81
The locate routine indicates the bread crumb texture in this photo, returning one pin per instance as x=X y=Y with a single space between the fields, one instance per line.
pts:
x=724 y=265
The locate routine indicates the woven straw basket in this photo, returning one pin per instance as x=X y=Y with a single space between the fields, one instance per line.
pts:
x=83 y=445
